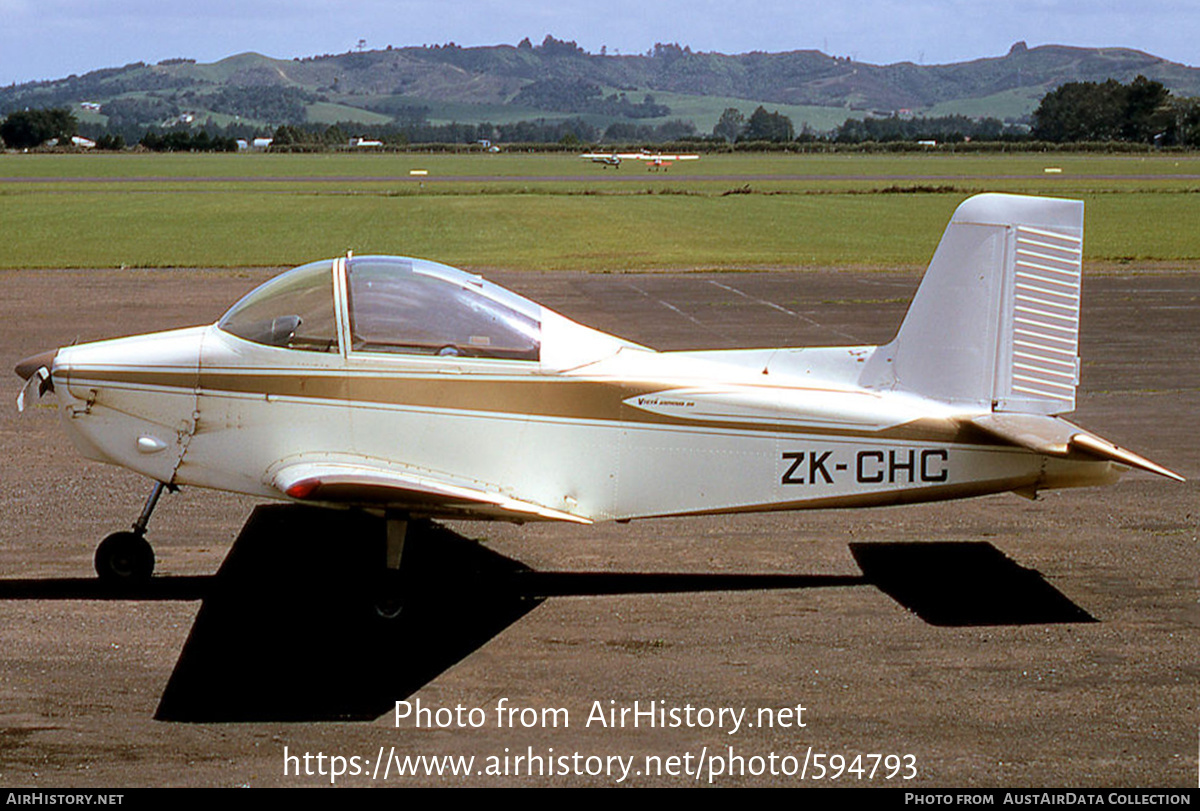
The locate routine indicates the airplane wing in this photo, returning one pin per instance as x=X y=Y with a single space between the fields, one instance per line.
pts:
x=336 y=482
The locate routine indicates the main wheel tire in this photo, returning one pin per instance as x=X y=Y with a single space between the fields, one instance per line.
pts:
x=388 y=595
x=389 y=606
x=124 y=558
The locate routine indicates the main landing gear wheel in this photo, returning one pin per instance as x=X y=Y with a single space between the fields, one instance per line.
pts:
x=124 y=558
x=388 y=595
x=390 y=587
x=388 y=606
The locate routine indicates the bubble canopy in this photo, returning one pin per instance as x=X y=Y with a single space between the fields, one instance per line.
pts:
x=392 y=305
x=293 y=310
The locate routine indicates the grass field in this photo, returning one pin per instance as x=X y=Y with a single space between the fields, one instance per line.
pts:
x=538 y=211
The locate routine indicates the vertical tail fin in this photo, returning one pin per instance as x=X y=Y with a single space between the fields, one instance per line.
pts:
x=995 y=321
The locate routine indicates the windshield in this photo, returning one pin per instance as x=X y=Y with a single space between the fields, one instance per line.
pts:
x=412 y=306
x=293 y=310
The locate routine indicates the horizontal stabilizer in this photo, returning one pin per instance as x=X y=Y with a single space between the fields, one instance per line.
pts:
x=1048 y=435
x=1094 y=445
x=1057 y=437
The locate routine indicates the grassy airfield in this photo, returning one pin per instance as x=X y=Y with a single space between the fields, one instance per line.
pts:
x=539 y=211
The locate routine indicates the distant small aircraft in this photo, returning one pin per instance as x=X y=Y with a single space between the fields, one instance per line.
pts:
x=607 y=159
x=657 y=160
x=654 y=160
x=412 y=389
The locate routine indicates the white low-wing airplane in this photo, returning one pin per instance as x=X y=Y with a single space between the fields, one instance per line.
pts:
x=607 y=159
x=654 y=160
x=411 y=389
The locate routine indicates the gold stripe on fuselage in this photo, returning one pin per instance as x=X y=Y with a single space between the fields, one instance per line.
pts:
x=538 y=397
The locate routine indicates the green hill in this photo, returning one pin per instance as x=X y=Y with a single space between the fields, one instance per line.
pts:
x=556 y=79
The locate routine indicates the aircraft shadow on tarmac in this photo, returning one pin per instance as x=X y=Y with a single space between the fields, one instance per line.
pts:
x=287 y=629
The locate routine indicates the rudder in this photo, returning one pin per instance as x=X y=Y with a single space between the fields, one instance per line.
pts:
x=995 y=321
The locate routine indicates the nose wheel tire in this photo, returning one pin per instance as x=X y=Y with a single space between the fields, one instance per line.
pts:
x=124 y=558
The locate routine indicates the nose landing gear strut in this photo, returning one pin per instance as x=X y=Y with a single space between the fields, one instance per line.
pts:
x=126 y=558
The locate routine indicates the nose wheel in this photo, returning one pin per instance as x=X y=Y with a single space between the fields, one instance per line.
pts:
x=126 y=558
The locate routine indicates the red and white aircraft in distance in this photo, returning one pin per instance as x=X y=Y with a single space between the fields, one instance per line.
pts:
x=654 y=160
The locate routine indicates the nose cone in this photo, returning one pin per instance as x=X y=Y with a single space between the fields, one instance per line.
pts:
x=27 y=367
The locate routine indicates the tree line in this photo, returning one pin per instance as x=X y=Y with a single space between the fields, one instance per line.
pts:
x=313 y=137
x=1141 y=112
x=26 y=129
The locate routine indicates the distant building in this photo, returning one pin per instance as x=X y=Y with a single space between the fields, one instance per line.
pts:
x=91 y=106
x=364 y=142
x=82 y=143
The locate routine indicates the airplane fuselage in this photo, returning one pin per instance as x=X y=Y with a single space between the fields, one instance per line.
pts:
x=632 y=433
